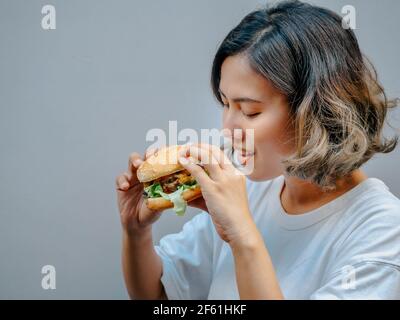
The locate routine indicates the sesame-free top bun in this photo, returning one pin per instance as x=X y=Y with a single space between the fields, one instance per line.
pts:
x=162 y=163
x=161 y=203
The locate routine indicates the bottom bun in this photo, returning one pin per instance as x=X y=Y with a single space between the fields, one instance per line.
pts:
x=161 y=203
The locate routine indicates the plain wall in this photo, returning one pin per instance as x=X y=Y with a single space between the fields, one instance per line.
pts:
x=76 y=101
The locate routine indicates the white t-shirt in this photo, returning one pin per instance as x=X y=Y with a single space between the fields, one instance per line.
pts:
x=347 y=249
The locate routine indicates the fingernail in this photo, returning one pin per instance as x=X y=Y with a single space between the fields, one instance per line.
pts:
x=125 y=185
x=181 y=152
x=184 y=150
x=183 y=160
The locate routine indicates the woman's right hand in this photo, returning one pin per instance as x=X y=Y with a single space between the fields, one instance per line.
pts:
x=134 y=214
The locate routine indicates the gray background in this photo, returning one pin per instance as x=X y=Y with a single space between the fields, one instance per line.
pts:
x=76 y=101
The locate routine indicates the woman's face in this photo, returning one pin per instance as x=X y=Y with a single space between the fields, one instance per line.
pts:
x=251 y=102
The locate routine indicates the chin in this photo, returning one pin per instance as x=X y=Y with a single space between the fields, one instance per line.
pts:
x=260 y=176
x=261 y=173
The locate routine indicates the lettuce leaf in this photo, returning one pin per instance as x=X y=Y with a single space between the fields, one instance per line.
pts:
x=154 y=190
x=180 y=205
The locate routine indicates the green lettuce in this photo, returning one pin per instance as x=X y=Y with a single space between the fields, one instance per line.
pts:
x=155 y=191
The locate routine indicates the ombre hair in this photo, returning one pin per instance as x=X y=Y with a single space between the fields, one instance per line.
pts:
x=335 y=100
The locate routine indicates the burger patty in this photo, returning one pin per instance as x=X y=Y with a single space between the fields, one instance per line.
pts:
x=170 y=183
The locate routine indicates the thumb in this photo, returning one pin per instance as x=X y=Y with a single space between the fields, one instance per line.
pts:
x=195 y=170
x=148 y=216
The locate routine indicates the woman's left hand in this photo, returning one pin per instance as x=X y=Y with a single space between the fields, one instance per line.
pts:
x=223 y=190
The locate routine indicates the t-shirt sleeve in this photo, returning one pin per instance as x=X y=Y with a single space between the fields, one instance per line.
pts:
x=187 y=259
x=372 y=280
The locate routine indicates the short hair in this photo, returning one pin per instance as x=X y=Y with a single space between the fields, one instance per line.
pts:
x=335 y=100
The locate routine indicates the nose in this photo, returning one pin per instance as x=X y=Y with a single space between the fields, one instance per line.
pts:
x=231 y=119
x=233 y=127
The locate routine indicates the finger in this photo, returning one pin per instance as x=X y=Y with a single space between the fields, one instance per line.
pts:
x=219 y=155
x=195 y=170
x=147 y=215
x=206 y=159
x=122 y=182
x=135 y=160
x=128 y=176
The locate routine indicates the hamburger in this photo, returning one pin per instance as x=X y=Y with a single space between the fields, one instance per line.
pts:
x=166 y=184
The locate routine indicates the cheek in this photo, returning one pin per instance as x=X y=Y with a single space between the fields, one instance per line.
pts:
x=272 y=146
x=274 y=135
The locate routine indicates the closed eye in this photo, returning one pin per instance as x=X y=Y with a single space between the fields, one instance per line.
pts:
x=252 y=115
x=248 y=115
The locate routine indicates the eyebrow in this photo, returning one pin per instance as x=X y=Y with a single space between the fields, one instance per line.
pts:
x=240 y=99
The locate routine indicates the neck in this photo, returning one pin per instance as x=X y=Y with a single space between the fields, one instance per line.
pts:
x=300 y=196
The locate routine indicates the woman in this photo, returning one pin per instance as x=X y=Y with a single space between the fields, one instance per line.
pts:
x=307 y=223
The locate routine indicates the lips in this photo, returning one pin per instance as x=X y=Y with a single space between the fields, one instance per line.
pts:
x=247 y=153
x=243 y=156
x=244 y=153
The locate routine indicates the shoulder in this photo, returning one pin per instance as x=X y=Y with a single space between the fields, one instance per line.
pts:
x=373 y=205
x=371 y=225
